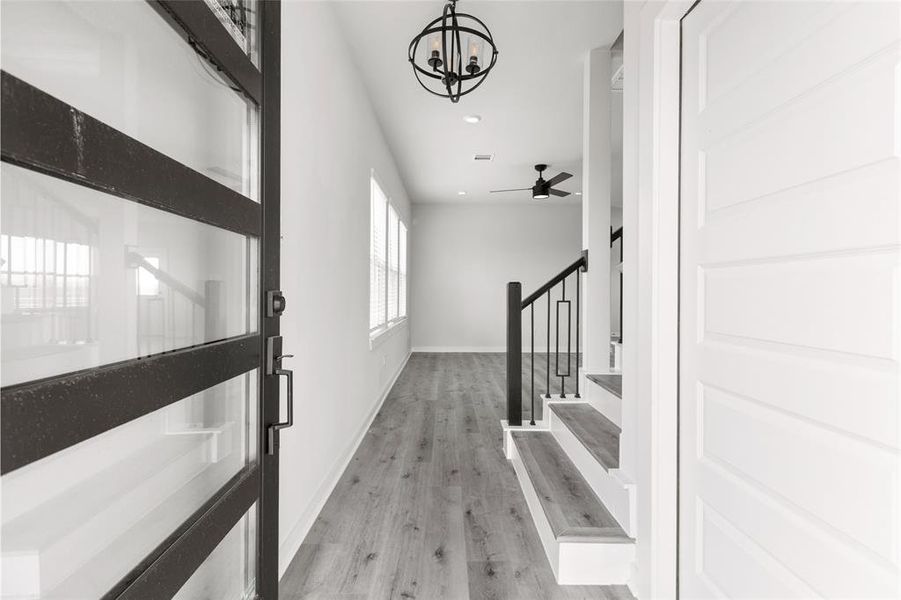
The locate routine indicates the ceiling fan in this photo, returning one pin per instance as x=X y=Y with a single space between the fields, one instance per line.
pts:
x=543 y=189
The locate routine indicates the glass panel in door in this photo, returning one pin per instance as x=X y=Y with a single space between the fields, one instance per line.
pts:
x=89 y=279
x=121 y=63
x=76 y=522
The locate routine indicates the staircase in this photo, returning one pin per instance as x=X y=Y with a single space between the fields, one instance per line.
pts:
x=568 y=461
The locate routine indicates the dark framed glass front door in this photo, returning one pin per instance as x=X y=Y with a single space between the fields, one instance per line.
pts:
x=139 y=272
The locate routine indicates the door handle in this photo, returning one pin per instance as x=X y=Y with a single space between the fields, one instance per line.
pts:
x=275 y=428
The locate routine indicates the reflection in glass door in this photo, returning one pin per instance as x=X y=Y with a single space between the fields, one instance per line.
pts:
x=134 y=257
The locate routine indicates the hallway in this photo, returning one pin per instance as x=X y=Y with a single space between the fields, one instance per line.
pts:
x=429 y=507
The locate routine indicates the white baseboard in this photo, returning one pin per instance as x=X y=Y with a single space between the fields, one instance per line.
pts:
x=295 y=537
x=460 y=349
x=494 y=349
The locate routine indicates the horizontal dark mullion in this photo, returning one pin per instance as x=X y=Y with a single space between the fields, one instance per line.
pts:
x=165 y=570
x=42 y=417
x=44 y=134
x=197 y=22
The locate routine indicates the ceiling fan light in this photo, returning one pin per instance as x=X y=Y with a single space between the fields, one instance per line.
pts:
x=540 y=196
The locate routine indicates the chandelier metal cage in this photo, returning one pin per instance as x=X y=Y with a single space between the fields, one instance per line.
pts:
x=458 y=70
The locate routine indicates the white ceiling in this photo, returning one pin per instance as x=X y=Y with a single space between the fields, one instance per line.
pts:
x=531 y=102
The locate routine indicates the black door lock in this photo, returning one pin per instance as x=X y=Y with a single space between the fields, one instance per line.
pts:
x=275 y=303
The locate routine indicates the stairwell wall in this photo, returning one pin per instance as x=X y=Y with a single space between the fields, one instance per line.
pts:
x=331 y=139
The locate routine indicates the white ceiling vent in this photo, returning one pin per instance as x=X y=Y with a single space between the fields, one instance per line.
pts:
x=479 y=157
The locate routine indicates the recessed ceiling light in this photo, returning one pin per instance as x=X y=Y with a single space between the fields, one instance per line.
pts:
x=472 y=118
x=461 y=193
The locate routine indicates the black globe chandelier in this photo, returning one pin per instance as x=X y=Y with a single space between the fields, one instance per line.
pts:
x=443 y=65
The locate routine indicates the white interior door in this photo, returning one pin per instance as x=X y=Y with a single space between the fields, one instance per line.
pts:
x=790 y=305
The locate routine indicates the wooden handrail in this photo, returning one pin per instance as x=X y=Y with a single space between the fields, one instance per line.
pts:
x=582 y=263
x=615 y=235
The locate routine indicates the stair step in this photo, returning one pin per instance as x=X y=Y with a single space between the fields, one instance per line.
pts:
x=164 y=480
x=52 y=520
x=598 y=434
x=571 y=507
x=612 y=382
x=105 y=568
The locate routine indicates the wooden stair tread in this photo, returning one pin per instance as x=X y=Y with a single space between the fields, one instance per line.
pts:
x=570 y=505
x=598 y=434
x=612 y=382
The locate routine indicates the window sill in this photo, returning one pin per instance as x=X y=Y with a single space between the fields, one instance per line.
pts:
x=377 y=337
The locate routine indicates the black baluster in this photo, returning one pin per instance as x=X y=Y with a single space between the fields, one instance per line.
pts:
x=569 y=338
x=532 y=361
x=562 y=377
x=578 y=351
x=547 y=388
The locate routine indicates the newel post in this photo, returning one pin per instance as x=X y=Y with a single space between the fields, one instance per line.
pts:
x=514 y=353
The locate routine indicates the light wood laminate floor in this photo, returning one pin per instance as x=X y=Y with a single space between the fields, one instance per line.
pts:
x=429 y=508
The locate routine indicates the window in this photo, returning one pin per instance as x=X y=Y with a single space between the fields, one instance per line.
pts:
x=387 y=262
x=45 y=274
x=148 y=284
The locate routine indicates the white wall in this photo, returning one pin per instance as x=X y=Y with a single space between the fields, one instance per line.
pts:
x=616 y=201
x=596 y=189
x=463 y=255
x=330 y=140
x=650 y=288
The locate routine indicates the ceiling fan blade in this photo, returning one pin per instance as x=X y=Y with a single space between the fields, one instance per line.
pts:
x=560 y=193
x=516 y=190
x=558 y=178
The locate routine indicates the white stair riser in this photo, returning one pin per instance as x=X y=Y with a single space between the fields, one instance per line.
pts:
x=617 y=495
x=604 y=401
x=595 y=563
x=574 y=563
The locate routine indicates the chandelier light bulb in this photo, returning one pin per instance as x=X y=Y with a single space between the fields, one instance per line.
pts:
x=475 y=51
x=435 y=52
